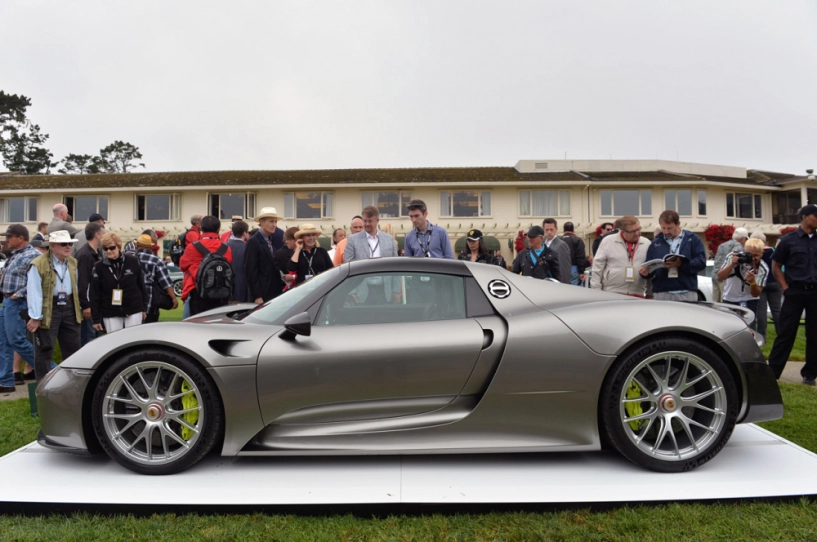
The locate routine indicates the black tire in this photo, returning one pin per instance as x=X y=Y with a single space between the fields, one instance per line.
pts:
x=155 y=411
x=177 y=288
x=651 y=389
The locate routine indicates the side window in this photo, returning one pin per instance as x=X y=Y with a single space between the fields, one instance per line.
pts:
x=386 y=298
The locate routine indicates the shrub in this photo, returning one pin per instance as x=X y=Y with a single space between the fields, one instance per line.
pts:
x=717 y=234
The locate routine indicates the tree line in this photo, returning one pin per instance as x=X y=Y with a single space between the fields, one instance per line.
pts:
x=23 y=146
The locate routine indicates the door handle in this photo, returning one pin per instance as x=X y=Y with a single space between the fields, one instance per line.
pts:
x=487 y=338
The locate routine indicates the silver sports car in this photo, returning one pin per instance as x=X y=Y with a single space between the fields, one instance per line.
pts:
x=416 y=356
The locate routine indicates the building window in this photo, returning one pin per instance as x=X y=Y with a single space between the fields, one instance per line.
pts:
x=786 y=206
x=544 y=203
x=226 y=206
x=20 y=209
x=308 y=204
x=626 y=202
x=82 y=207
x=391 y=204
x=466 y=203
x=157 y=207
x=679 y=201
x=701 y=202
x=743 y=205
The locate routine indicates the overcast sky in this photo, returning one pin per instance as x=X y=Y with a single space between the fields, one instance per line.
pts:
x=312 y=85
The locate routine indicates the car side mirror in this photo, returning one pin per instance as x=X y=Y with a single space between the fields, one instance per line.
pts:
x=300 y=324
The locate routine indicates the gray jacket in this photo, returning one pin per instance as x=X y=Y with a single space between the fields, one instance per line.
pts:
x=357 y=246
x=563 y=250
x=58 y=224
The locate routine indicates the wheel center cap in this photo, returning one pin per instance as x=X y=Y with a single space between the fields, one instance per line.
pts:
x=668 y=403
x=154 y=412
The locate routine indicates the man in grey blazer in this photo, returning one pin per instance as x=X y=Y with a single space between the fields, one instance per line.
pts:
x=371 y=242
x=562 y=249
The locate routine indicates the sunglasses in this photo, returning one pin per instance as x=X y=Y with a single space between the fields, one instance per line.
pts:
x=109 y=249
x=64 y=244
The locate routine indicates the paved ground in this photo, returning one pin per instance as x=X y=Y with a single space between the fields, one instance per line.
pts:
x=791 y=374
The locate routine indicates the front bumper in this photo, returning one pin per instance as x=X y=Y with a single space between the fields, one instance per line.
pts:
x=59 y=401
x=763 y=400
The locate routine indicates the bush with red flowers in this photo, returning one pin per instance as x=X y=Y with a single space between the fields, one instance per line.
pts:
x=787 y=229
x=519 y=243
x=598 y=231
x=717 y=234
x=160 y=234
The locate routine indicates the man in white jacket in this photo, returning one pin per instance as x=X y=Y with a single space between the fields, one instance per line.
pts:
x=620 y=256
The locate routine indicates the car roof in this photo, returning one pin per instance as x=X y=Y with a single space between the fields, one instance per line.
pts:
x=404 y=263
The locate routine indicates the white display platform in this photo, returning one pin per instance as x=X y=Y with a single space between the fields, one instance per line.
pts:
x=755 y=464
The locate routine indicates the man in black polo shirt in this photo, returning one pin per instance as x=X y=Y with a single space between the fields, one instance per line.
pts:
x=798 y=252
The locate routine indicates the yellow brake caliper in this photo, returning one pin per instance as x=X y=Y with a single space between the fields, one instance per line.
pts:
x=634 y=408
x=189 y=400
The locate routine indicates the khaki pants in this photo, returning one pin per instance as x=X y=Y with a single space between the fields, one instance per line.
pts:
x=717 y=290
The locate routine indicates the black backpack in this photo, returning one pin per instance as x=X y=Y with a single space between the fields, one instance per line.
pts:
x=178 y=246
x=215 y=277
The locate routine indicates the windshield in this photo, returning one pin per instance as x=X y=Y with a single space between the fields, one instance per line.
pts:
x=272 y=310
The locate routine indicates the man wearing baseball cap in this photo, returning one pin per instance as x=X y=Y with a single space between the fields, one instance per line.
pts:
x=797 y=251
x=538 y=261
x=95 y=218
x=12 y=328
x=52 y=303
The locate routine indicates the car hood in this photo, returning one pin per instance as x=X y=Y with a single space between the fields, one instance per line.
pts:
x=215 y=340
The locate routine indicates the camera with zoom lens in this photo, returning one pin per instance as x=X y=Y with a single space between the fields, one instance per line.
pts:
x=745 y=257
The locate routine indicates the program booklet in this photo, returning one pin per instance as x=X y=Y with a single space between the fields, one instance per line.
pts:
x=658 y=263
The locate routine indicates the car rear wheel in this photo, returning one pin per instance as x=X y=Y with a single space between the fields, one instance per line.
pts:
x=177 y=288
x=156 y=412
x=670 y=406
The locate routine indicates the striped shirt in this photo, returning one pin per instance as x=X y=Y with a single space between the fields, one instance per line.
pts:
x=155 y=272
x=15 y=273
x=735 y=290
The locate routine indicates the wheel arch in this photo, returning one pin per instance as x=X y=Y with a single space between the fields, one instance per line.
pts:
x=718 y=349
x=91 y=440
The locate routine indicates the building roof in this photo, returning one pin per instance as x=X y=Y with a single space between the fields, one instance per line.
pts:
x=340 y=177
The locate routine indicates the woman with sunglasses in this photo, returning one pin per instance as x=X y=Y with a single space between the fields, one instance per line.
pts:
x=117 y=291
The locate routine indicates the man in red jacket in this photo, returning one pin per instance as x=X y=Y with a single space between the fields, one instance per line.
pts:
x=190 y=262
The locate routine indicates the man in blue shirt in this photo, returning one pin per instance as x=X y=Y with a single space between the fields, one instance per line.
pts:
x=13 y=286
x=426 y=240
x=53 y=307
x=678 y=279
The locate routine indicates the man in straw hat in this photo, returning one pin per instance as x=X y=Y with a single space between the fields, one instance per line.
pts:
x=308 y=259
x=53 y=308
x=263 y=273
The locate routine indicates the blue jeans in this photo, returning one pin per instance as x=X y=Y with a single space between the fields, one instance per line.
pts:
x=13 y=339
x=186 y=309
x=87 y=333
x=574 y=275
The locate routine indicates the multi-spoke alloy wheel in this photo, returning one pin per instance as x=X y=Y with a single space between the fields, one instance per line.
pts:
x=670 y=406
x=156 y=412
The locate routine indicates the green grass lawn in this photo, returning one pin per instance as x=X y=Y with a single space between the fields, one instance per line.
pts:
x=745 y=521
x=798 y=352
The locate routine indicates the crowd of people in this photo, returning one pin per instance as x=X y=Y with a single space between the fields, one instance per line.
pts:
x=77 y=284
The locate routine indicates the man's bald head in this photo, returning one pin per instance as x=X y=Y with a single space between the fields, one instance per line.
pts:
x=60 y=211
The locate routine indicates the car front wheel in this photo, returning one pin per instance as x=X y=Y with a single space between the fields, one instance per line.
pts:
x=670 y=406
x=156 y=412
x=177 y=288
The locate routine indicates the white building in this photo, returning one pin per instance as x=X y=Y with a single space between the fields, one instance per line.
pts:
x=498 y=200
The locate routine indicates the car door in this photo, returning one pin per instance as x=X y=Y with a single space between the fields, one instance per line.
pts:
x=381 y=345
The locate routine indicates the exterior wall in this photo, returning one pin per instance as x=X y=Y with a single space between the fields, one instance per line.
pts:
x=503 y=223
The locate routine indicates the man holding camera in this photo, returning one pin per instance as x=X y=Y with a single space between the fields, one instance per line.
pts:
x=744 y=276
